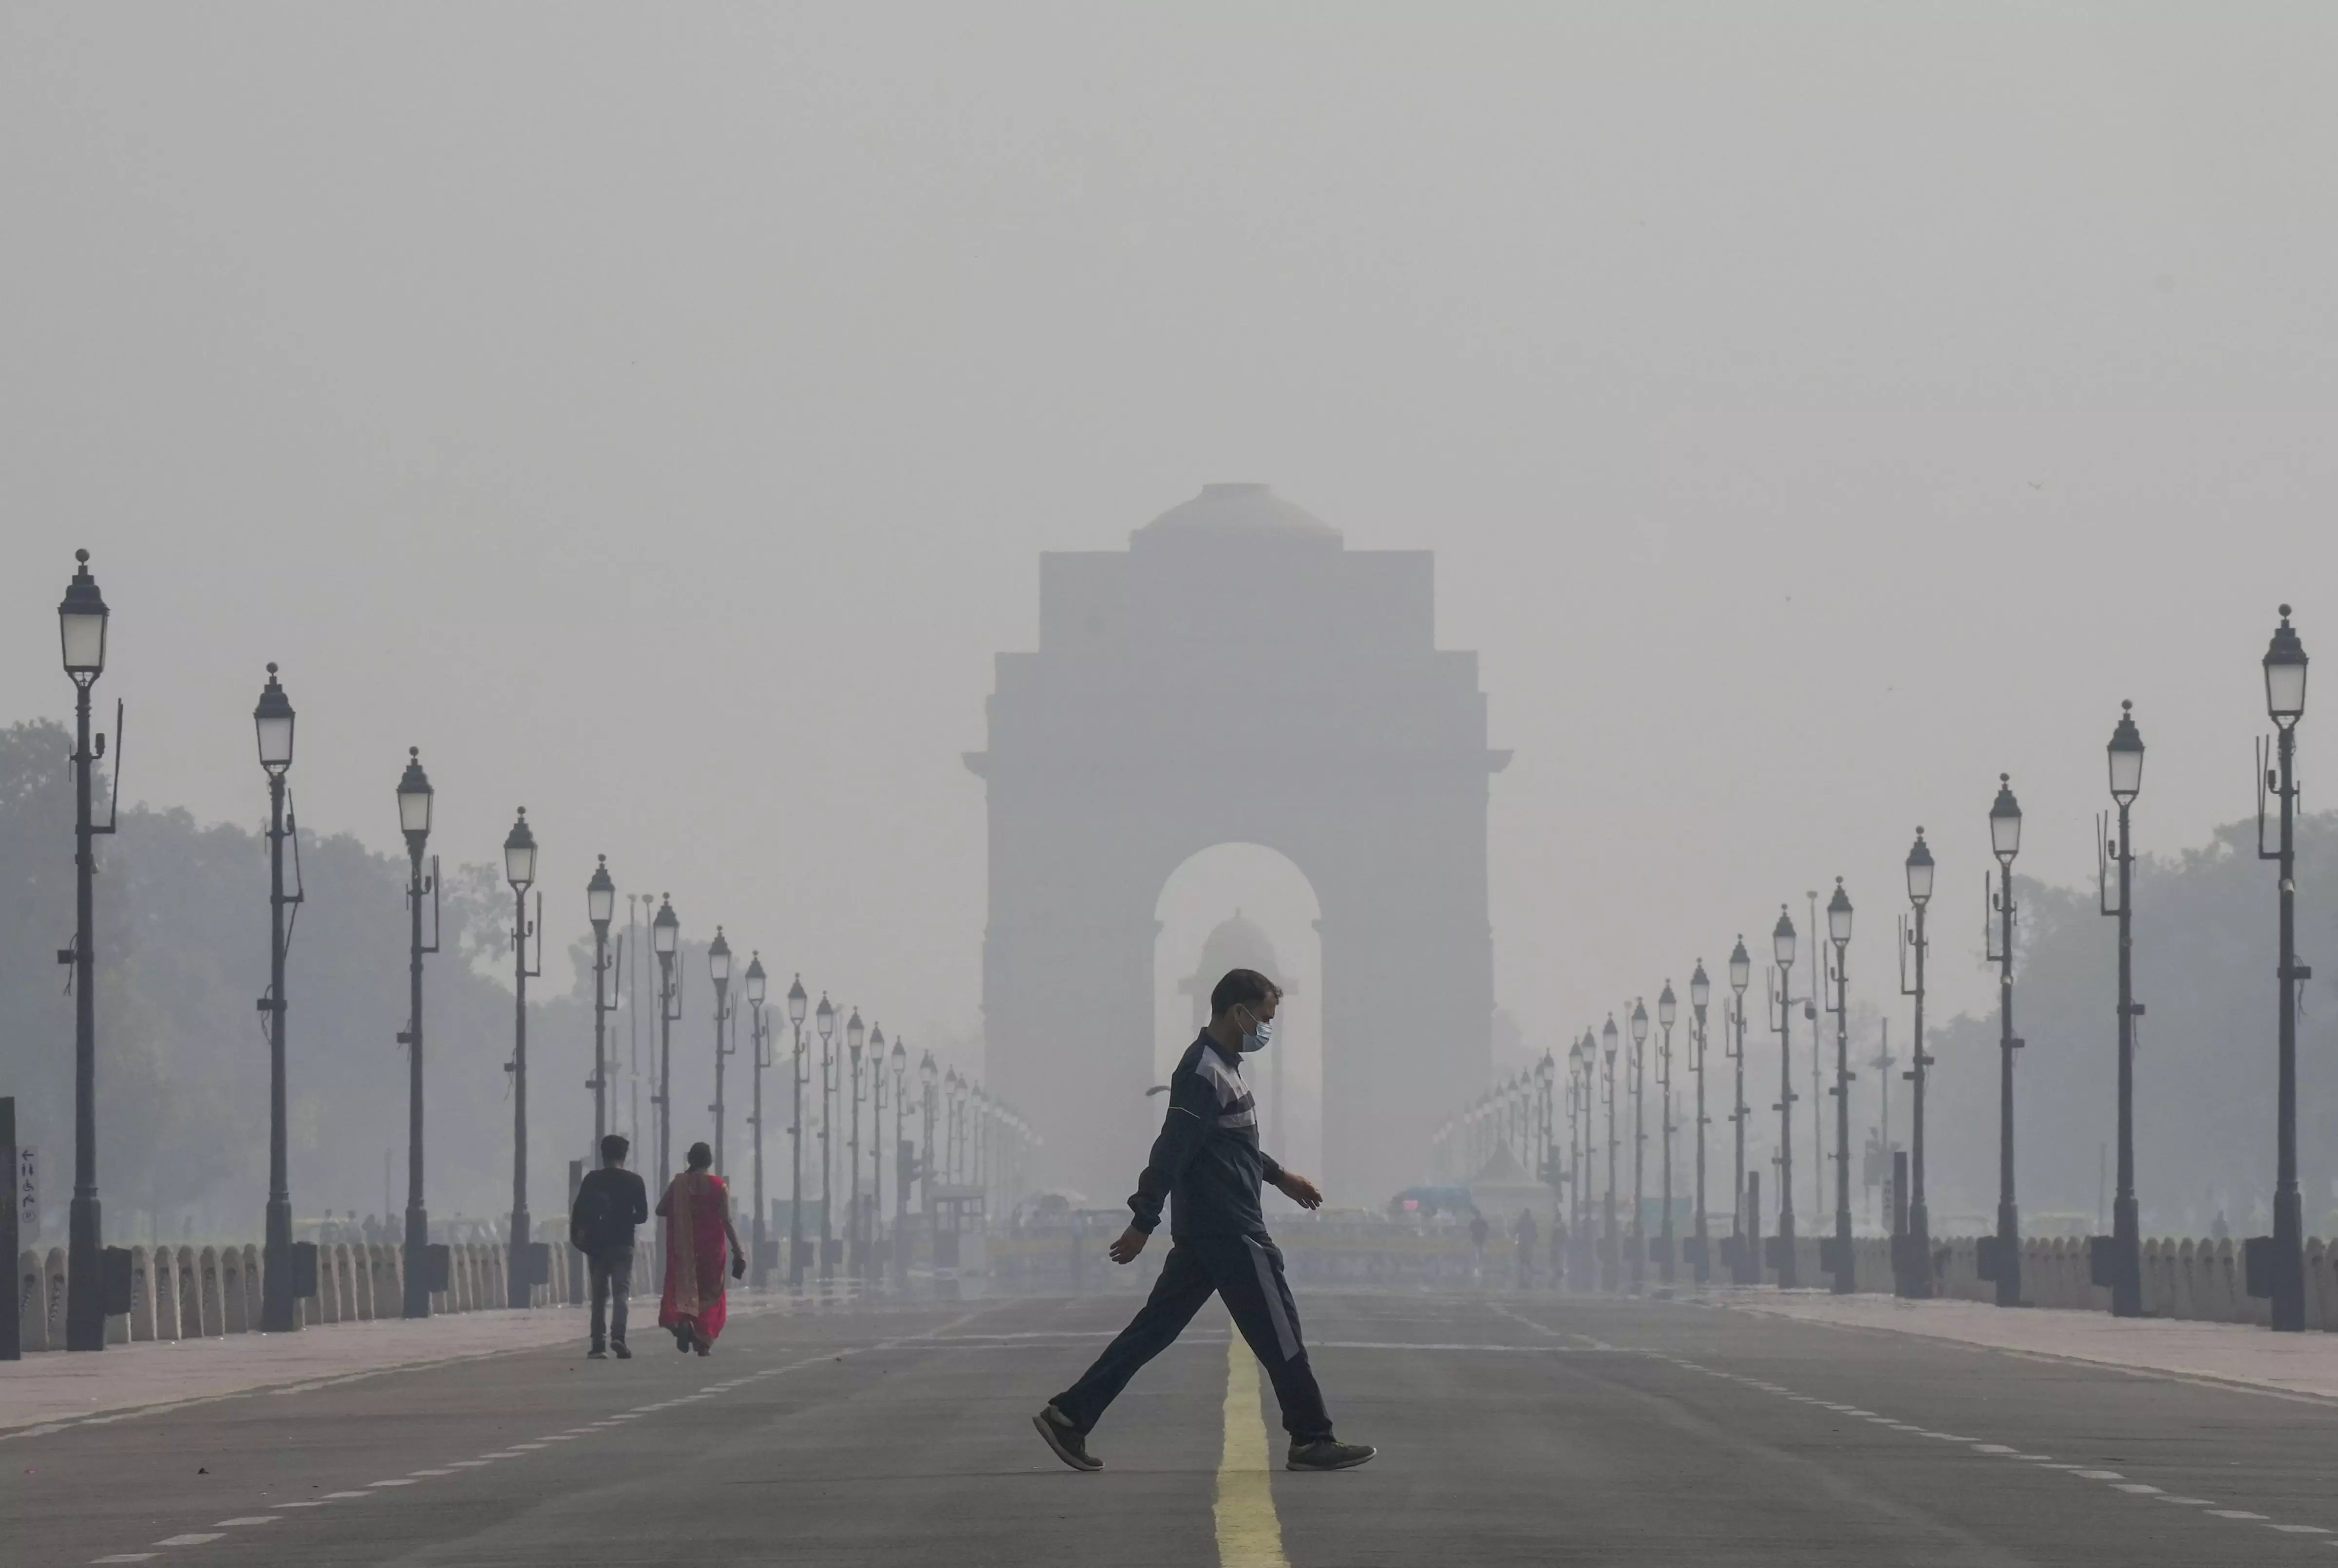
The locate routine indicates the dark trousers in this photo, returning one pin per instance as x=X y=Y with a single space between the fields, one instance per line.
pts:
x=612 y=1282
x=1247 y=1272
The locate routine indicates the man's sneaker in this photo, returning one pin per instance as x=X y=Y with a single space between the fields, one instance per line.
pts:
x=1065 y=1438
x=1328 y=1454
x=596 y=1353
x=617 y=1349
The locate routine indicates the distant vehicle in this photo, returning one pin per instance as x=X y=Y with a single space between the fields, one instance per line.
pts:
x=1429 y=1203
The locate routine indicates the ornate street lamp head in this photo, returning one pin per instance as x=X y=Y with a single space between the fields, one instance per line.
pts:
x=519 y=855
x=2005 y=822
x=928 y=1072
x=1919 y=872
x=824 y=1020
x=1782 y=939
x=1740 y=967
x=854 y=1032
x=1700 y=989
x=718 y=961
x=1839 y=917
x=272 y=718
x=901 y=1057
x=796 y=1000
x=414 y=798
x=1667 y=1004
x=81 y=624
x=1639 y=1021
x=1607 y=1039
x=601 y=897
x=2126 y=752
x=2284 y=672
x=757 y=981
x=665 y=931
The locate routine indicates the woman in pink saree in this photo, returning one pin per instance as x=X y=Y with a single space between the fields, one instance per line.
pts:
x=696 y=1209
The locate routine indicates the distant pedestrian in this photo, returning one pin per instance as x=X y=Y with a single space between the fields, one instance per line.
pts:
x=696 y=1209
x=1208 y=1165
x=1528 y=1234
x=610 y=1202
x=1478 y=1230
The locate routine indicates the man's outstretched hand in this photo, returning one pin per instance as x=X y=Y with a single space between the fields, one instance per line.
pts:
x=1127 y=1245
x=1300 y=1191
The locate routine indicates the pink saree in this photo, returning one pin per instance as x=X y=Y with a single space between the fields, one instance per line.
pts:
x=696 y=1209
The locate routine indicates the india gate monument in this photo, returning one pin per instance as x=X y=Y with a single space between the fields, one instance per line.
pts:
x=1238 y=676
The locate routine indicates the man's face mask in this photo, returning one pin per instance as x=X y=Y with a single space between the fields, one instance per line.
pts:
x=1259 y=1036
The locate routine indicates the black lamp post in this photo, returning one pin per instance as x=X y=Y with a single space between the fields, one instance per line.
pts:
x=415 y=797
x=759 y=1043
x=1700 y=992
x=1611 y=1266
x=519 y=870
x=600 y=907
x=1781 y=949
x=2125 y=755
x=280 y=1311
x=81 y=624
x=876 y=1268
x=2285 y=676
x=824 y=1022
x=665 y=941
x=1545 y=1097
x=1839 y=933
x=929 y=1077
x=1639 y=1025
x=1745 y=1267
x=856 y=1239
x=718 y=969
x=1916 y=1268
x=900 y=1063
x=797 y=1083
x=1578 y=1112
x=2005 y=842
x=1668 y=1011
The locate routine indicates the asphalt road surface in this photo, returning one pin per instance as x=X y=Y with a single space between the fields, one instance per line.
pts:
x=1512 y=1429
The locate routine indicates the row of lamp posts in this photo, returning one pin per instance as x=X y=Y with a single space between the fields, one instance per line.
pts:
x=2277 y=1268
x=84 y=619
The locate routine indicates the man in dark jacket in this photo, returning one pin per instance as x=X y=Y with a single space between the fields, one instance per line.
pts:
x=610 y=1202
x=1208 y=1165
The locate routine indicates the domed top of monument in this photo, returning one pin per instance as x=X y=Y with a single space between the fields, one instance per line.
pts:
x=1235 y=942
x=1236 y=511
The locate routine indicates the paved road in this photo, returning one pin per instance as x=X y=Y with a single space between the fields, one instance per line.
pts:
x=1513 y=1429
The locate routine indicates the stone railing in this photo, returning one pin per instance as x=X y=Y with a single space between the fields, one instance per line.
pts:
x=193 y=1292
x=2203 y=1280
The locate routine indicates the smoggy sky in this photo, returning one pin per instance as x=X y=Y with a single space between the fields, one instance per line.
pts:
x=655 y=414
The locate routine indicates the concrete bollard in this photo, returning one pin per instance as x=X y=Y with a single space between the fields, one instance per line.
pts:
x=32 y=1302
x=2313 y=1281
x=231 y=1299
x=329 y=1286
x=255 y=1292
x=53 y=1268
x=2155 y=1283
x=2222 y=1296
x=362 y=1278
x=214 y=1314
x=141 y=1294
x=388 y=1291
x=187 y=1283
x=2328 y=1321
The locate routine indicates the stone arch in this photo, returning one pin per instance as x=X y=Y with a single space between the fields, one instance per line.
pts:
x=1237 y=675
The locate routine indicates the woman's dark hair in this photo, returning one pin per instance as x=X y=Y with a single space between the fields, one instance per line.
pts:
x=701 y=1156
x=1241 y=988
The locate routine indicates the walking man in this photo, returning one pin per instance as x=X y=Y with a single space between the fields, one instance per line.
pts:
x=1208 y=1165
x=610 y=1202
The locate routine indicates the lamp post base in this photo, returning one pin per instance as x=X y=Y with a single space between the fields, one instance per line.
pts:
x=279 y=1309
x=416 y=1262
x=85 y=1278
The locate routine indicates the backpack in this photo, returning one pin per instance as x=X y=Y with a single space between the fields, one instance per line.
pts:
x=588 y=1217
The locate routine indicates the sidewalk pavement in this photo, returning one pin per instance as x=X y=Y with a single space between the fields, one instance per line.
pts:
x=50 y=1389
x=2235 y=1354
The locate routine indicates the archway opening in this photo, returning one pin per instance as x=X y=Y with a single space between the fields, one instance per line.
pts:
x=1246 y=904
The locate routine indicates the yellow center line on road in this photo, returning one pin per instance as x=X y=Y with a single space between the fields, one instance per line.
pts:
x=1250 y=1535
